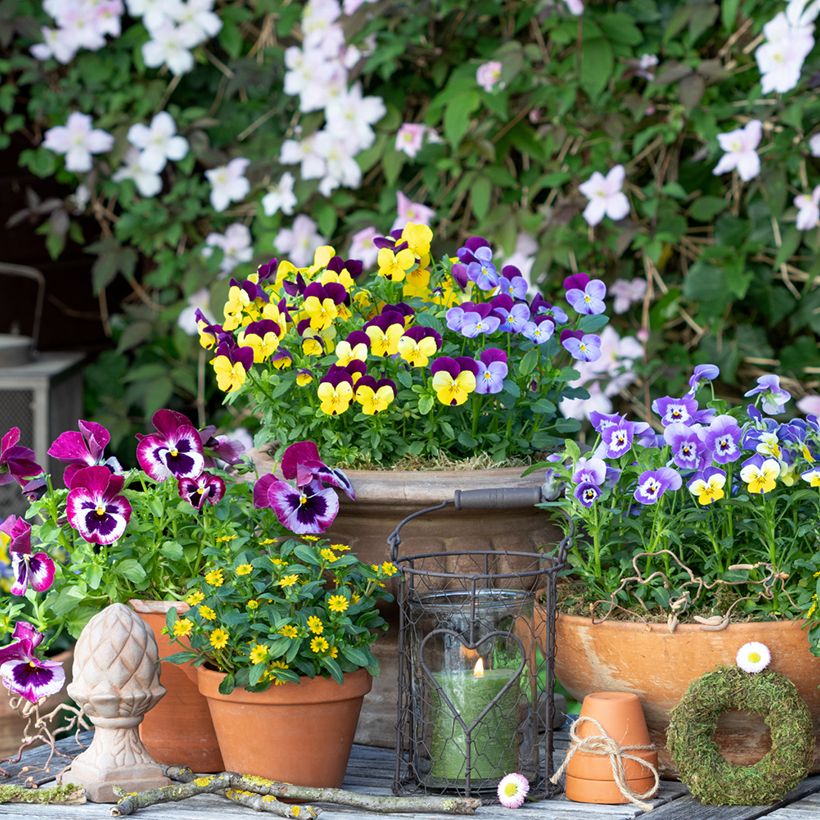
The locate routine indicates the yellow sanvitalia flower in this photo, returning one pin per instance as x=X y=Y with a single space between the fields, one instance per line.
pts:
x=374 y=401
x=252 y=604
x=319 y=646
x=244 y=569
x=238 y=301
x=223 y=539
x=385 y=343
x=215 y=578
x=288 y=581
x=328 y=555
x=315 y=625
x=195 y=598
x=289 y=631
x=453 y=391
x=417 y=353
x=337 y=603
x=230 y=376
x=269 y=675
x=334 y=399
x=262 y=346
x=707 y=491
x=321 y=312
x=183 y=627
x=389 y=569
x=334 y=652
x=277 y=562
x=219 y=638
x=418 y=238
x=258 y=653
x=346 y=353
x=394 y=266
x=311 y=538
x=340 y=547
x=207 y=613
x=761 y=479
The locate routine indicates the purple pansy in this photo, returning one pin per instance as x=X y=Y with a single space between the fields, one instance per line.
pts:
x=577 y=281
x=205 y=487
x=17 y=463
x=175 y=449
x=515 y=319
x=539 y=331
x=472 y=320
x=541 y=307
x=37 y=570
x=492 y=370
x=459 y=273
x=587 y=493
x=225 y=448
x=589 y=471
x=702 y=372
x=512 y=283
x=585 y=347
x=774 y=397
x=467 y=252
x=673 y=410
x=616 y=439
x=590 y=300
x=85 y=448
x=688 y=449
x=94 y=507
x=600 y=421
x=723 y=439
x=301 y=461
x=481 y=270
x=654 y=483
x=25 y=674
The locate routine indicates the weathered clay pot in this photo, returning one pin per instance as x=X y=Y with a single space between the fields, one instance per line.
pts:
x=658 y=666
x=383 y=499
x=178 y=730
x=12 y=724
x=300 y=733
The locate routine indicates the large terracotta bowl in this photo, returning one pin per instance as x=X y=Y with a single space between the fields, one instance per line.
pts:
x=658 y=666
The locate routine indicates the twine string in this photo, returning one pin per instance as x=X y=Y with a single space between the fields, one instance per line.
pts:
x=604 y=745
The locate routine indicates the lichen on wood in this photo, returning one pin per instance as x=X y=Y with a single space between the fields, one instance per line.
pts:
x=57 y=795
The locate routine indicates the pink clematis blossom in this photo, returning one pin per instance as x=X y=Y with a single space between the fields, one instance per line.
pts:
x=808 y=210
x=410 y=138
x=488 y=75
x=411 y=212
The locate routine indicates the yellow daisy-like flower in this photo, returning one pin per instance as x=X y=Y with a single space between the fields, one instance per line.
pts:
x=328 y=555
x=183 y=627
x=244 y=569
x=340 y=547
x=289 y=631
x=355 y=598
x=215 y=578
x=259 y=653
x=270 y=676
x=195 y=598
x=337 y=603
x=315 y=625
x=310 y=537
x=277 y=562
x=223 y=539
x=288 y=581
x=252 y=604
x=207 y=613
x=219 y=638
x=319 y=645
x=266 y=542
x=334 y=652
x=389 y=569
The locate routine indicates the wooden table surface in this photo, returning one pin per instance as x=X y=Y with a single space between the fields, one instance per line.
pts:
x=371 y=770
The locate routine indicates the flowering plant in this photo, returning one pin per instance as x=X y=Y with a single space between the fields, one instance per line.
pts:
x=299 y=607
x=714 y=513
x=424 y=359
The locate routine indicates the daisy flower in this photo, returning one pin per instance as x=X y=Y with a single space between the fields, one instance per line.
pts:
x=512 y=790
x=753 y=657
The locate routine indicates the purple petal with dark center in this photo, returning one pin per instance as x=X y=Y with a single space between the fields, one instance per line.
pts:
x=33 y=679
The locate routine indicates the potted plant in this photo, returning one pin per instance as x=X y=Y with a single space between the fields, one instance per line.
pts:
x=282 y=641
x=695 y=537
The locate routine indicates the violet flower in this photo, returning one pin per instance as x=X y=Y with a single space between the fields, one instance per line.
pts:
x=481 y=270
x=175 y=449
x=466 y=253
x=85 y=448
x=702 y=372
x=585 y=347
x=17 y=463
x=36 y=571
x=515 y=319
x=616 y=439
x=722 y=439
x=225 y=448
x=673 y=410
x=774 y=397
x=541 y=307
x=492 y=370
x=25 y=674
x=590 y=300
x=576 y=281
x=652 y=484
x=600 y=421
x=512 y=283
x=205 y=487
x=589 y=471
x=688 y=450
x=94 y=507
x=539 y=330
x=587 y=493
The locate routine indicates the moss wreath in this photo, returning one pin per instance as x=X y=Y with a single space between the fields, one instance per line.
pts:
x=713 y=779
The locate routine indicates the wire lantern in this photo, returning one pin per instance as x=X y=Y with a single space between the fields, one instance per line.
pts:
x=476 y=660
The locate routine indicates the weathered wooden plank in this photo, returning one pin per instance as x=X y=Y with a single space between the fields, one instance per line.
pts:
x=808 y=807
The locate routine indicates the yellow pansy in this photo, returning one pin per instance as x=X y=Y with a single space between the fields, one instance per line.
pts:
x=304 y=378
x=263 y=345
x=394 y=266
x=344 y=278
x=230 y=376
x=312 y=347
x=321 y=256
x=417 y=283
x=418 y=238
x=374 y=401
x=346 y=353
x=238 y=301
x=335 y=399
x=453 y=391
x=708 y=490
x=385 y=343
x=321 y=312
x=206 y=340
x=417 y=353
x=761 y=479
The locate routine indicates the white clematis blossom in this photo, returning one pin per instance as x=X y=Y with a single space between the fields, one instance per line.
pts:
x=808 y=210
x=158 y=142
x=351 y=116
x=236 y=246
x=78 y=140
x=605 y=196
x=228 y=183
x=147 y=180
x=200 y=300
x=740 y=147
x=280 y=197
x=299 y=241
x=171 y=45
x=197 y=16
x=789 y=37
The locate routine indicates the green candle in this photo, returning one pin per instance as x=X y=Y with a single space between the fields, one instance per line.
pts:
x=494 y=741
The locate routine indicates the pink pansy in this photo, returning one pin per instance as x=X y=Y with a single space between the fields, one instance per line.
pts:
x=83 y=449
x=35 y=571
x=174 y=450
x=605 y=196
x=205 y=487
x=808 y=210
x=25 y=674
x=16 y=461
x=411 y=212
x=94 y=507
x=740 y=147
x=488 y=75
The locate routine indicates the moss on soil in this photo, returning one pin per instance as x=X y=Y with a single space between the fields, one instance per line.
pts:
x=713 y=779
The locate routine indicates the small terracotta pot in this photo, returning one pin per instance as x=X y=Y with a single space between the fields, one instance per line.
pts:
x=589 y=776
x=178 y=730
x=299 y=733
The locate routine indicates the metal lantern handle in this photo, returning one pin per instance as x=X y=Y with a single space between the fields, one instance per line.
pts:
x=25 y=272
x=495 y=498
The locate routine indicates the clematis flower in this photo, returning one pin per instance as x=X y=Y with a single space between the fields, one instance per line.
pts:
x=410 y=138
x=814 y=145
x=605 y=196
x=78 y=140
x=299 y=241
x=590 y=300
x=627 y=292
x=280 y=197
x=197 y=16
x=418 y=345
x=722 y=439
x=488 y=75
x=589 y=471
x=585 y=347
x=205 y=487
x=37 y=570
x=808 y=210
x=236 y=246
x=174 y=450
x=85 y=448
x=652 y=484
x=454 y=379
x=158 y=142
x=362 y=247
x=492 y=370
x=512 y=790
x=409 y=211
x=740 y=147
x=228 y=183
x=146 y=181
x=707 y=486
x=787 y=42
x=94 y=507
x=753 y=657
x=353 y=114
x=702 y=372
x=759 y=474
x=374 y=396
x=688 y=450
x=335 y=391
x=25 y=674
x=773 y=396
x=171 y=45
x=575 y=7
x=17 y=463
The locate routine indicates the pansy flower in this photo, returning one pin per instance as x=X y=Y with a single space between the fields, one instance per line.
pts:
x=205 y=487
x=394 y=265
x=541 y=307
x=812 y=477
x=231 y=365
x=481 y=270
x=174 y=450
x=322 y=303
x=492 y=370
x=701 y=373
x=773 y=396
x=281 y=360
x=672 y=410
x=589 y=471
x=384 y=332
x=353 y=347
x=512 y=283
x=600 y=421
x=418 y=345
x=466 y=254
x=587 y=493
x=35 y=571
x=301 y=462
x=335 y=391
x=588 y=301
x=17 y=463
x=374 y=396
x=210 y=333
x=226 y=448
x=538 y=330
x=472 y=319
x=688 y=450
x=261 y=337
x=652 y=484
x=418 y=238
x=25 y=674
x=616 y=439
x=94 y=507
x=85 y=448
x=454 y=379
x=707 y=486
x=760 y=474
x=585 y=347
x=722 y=439
x=514 y=319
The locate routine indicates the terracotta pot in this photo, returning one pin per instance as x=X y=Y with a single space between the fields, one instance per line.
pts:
x=658 y=666
x=12 y=725
x=178 y=730
x=589 y=776
x=300 y=733
x=383 y=499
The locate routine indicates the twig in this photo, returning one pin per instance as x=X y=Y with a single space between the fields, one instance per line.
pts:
x=268 y=803
x=131 y=802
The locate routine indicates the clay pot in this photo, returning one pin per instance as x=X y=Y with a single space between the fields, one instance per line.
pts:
x=589 y=776
x=178 y=730
x=383 y=499
x=658 y=666
x=300 y=733
x=12 y=724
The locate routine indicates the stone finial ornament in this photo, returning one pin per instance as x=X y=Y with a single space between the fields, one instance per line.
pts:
x=116 y=681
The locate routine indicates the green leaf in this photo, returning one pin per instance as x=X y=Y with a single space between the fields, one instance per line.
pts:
x=596 y=66
x=704 y=208
x=529 y=361
x=426 y=403
x=480 y=196
x=228 y=684
x=592 y=324
x=457 y=116
x=132 y=570
x=392 y=163
x=728 y=13
x=356 y=655
x=172 y=551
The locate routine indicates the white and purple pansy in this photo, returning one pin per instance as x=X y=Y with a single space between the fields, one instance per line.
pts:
x=308 y=509
x=539 y=330
x=472 y=319
x=702 y=373
x=688 y=449
x=94 y=507
x=541 y=307
x=587 y=493
x=174 y=450
x=773 y=396
x=35 y=571
x=85 y=448
x=481 y=270
x=512 y=282
x=25 y=674
x=588 y=301
x=675 y=411
x=227 y=449
x=17 y=463
x=652 y=484
x=515 y=318
x=585 y=347
x=206 y=487
x=600 y=421
x=616 y=439
x=301 y=461
x=492 y=370
x=589 y=471
x=722 y=439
